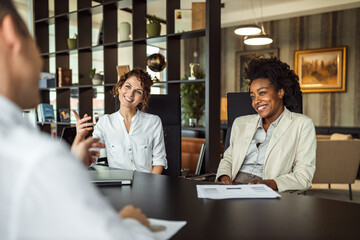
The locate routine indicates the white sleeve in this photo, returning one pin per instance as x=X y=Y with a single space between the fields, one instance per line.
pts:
x=159 y=151
x=59 y=202
x=99 y=130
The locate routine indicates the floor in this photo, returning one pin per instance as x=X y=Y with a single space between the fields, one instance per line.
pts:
x=337 y=192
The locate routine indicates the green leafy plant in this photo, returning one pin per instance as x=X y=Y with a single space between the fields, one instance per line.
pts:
x=75 y=36
x=93 y=73
x=152 y=19
x=193 y=97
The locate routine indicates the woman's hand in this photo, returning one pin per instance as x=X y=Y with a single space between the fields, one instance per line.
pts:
x=82 y=124
x=224 y=179
x=130 y=212
x=269 y=182
x=80 y=147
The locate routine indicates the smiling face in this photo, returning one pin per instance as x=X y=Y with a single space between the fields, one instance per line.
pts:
x=131 y=93
x=266 y=100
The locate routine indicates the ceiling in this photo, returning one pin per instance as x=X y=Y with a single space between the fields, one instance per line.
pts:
x=237 y=12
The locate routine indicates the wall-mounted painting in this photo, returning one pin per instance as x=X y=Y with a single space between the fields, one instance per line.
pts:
x=242 y=60
x=321 y=70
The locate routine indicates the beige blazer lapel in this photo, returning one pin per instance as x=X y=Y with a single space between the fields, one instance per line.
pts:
x=243 y=143
x=279 y=131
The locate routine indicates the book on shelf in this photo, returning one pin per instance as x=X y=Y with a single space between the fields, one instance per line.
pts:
x=198 y=15
x=64 y=114
x=47 y=80
x=46 y=113
x=183 y=19
x=64 y=77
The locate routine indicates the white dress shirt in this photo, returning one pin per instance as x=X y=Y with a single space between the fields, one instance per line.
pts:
x=255 y=156
x=45 y=191
x=140 y=149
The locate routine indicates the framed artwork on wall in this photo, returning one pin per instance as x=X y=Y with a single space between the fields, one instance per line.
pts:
x=242 y=60
x=321 y=70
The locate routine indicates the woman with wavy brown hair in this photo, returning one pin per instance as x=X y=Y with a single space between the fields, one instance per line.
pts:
x=133 y=139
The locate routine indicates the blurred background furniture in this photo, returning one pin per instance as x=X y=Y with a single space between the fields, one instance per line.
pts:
x=337 y=161
x=190 y=152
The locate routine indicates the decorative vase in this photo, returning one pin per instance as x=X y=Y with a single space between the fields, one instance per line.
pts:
x=97 y=79
x=153 y=29
x=72 y=43
x=124 y=31
x=192 y=122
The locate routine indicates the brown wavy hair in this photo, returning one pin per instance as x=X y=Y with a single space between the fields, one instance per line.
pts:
x=145 y=81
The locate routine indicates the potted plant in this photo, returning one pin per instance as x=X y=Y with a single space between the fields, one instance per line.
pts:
x=72 y=42
x=193 y=99
x=153 y=27
x=97 y=77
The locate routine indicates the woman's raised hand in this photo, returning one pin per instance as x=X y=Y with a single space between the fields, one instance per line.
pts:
x=82 y=123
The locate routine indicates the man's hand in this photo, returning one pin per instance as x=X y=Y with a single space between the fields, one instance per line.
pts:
x=269 y=182
x=224 y=179
x=130 y=212
x=80 y=147
x=82 y=124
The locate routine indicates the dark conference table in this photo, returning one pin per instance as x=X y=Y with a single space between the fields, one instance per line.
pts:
x=290 y=217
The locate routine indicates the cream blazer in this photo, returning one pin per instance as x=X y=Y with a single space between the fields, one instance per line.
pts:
x=290 y=155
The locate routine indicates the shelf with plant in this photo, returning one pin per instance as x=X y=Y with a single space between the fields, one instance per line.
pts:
x=193 y=99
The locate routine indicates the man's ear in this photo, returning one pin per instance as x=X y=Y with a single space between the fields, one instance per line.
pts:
x=10 y=37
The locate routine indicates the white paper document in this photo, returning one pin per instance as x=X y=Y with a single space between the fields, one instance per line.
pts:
x=164 y=229
x=235 y=191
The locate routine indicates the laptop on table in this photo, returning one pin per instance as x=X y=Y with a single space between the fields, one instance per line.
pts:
x=112 y=177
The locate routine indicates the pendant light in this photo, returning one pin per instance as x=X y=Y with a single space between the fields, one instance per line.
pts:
x=260 y=39
x=249 y=29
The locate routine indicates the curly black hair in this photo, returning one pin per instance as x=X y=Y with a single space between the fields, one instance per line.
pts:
x=146 y=83
x=280 y=76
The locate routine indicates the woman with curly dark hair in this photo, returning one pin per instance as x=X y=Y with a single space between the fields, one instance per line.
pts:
x=275 y=147
x=133 y=139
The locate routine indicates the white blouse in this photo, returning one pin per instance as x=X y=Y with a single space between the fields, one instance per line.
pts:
x=140 y=149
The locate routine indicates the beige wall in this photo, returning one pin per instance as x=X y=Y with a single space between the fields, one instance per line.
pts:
x=314 y=31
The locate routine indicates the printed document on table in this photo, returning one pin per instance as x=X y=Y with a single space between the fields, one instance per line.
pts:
x=235 y=191
x=164 y=229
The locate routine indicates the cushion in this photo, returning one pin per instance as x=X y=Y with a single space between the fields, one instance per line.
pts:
x=340 y=136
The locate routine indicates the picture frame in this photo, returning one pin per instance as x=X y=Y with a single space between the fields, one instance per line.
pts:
x=322 y=69
x=242 y=60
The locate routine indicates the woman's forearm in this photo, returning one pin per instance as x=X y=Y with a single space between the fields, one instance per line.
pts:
x=157 y=169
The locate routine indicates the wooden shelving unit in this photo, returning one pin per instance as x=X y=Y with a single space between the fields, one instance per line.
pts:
x=110 y=47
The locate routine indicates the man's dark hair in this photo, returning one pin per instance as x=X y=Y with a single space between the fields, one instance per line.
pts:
x=280 y=76
x=7 y=8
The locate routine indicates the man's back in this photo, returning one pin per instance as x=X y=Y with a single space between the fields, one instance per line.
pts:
x=45 y=191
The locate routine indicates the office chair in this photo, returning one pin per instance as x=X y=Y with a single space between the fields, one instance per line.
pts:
x=68 y=134
x=239 y=104
x=167 y=107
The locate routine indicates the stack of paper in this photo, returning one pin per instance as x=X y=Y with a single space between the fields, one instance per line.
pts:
x=235 y=191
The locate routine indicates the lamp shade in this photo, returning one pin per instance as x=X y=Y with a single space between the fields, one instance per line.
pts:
x=248 y=30
x=261 y=39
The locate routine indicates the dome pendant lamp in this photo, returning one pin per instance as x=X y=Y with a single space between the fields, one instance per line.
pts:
x=247 y=30
x=261 y=39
